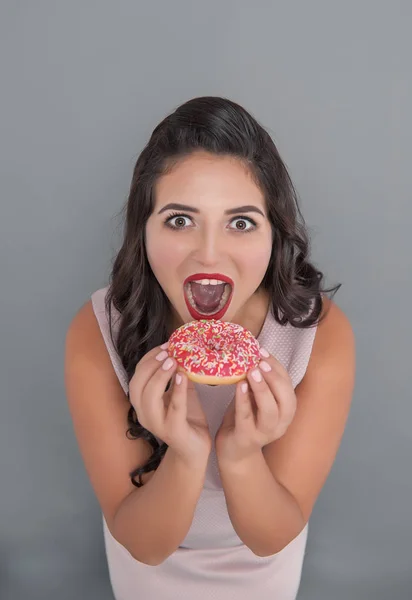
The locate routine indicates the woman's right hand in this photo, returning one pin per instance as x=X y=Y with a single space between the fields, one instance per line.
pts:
x=175 y=416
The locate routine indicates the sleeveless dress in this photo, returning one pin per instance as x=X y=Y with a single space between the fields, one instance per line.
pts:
x=212 y=563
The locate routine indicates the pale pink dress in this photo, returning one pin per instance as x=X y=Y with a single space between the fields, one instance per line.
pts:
x=212 y=563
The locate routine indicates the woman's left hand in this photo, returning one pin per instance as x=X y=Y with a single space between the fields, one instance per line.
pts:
x=259 y=416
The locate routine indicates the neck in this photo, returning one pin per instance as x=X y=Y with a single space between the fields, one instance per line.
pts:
x=253 y=313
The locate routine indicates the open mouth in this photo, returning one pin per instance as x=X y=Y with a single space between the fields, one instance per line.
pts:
x=207 y=298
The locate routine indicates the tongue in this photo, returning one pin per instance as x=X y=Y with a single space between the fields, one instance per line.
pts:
x=207 y=297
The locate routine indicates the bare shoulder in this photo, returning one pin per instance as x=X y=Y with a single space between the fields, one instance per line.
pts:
x=334 y=339
x=302 y=459
x=99 y=407
x=84 y=340
x=333 y=314
x=83 y=326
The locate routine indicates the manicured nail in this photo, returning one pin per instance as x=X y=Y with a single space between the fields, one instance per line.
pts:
x=257 y=375
x=243 y=387
x=264 y=352
x=165 y=346
x=162 y=355
x=265 y=366
x=178 y=379
x=167 y=364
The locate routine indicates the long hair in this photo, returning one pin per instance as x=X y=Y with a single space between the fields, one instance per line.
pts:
x=221 y=127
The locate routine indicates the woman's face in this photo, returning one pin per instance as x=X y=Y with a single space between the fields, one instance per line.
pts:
x=212 y=257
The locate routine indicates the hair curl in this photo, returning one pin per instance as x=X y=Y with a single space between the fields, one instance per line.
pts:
x=221 y=127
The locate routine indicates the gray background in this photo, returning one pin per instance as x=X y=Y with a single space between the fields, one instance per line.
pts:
x=83 y=85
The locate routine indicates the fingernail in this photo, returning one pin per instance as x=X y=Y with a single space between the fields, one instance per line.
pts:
x=243 y=387
x=264 y=352
x=167 y=364
x=178 y=379
x=265 y=366
x=162 y=355
x=165 y=346
x=257 y=376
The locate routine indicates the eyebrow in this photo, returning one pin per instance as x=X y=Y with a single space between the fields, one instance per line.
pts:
x=230 y=211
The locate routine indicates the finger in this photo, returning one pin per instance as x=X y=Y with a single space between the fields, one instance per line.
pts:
x=149 y=405
x=281 y=388
x=267 y=408
x=244 y=414
x=153 y=353
x=274 y=363
x=155 y=387
x=146 y=368
x=177 y=409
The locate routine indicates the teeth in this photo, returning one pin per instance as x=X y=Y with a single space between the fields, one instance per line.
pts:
x=224 y=299
x=209 y=281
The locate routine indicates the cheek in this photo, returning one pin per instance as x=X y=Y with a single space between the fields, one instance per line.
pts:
x=158 y=254
x=256 y=260
x=163 y=253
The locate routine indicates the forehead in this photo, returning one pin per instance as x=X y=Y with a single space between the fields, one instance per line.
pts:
x=204 y=178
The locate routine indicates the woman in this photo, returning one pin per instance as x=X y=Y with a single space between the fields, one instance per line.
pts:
x=210 y=493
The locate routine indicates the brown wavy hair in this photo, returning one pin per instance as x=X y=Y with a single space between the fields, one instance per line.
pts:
x=221 y=127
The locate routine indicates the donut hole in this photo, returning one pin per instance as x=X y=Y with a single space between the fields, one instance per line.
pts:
x=215 y=346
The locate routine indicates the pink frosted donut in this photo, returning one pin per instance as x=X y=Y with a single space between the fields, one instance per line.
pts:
x=214 y=352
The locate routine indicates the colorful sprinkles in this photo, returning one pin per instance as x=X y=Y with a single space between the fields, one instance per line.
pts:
x=214 y=348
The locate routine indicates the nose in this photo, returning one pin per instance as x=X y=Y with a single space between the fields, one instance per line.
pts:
x=209 y=249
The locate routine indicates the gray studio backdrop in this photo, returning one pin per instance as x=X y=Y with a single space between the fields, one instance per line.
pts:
x=82 y=86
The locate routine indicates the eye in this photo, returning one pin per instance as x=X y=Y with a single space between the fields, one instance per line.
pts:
x=179 y=221
x=243 y=228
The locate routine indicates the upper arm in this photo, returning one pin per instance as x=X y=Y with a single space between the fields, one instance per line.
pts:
x=303 y=457
x=99 y=407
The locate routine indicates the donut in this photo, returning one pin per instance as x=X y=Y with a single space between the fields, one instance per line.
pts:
x=214 y=352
